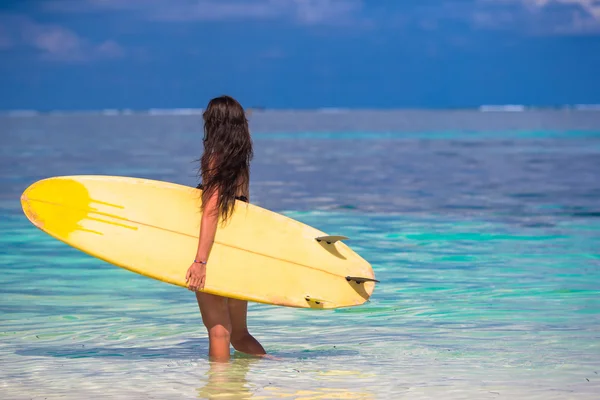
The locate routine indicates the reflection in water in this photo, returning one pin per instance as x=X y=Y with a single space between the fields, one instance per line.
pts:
x=230 y=381
x=314 y=394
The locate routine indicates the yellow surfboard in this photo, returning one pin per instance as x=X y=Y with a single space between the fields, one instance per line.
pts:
x=151 y=227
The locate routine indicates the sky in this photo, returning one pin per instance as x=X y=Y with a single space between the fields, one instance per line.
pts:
x=140 y=54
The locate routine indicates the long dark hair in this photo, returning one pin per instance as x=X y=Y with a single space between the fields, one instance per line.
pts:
x=225 y=163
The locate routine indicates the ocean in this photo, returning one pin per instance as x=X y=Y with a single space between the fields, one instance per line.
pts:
x=483 y=228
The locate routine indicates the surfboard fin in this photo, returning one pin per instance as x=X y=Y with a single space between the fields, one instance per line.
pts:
x=330 y=239
x=359 y=280
x=316 y=301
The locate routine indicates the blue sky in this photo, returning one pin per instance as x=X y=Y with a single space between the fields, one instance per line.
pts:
x=138 y=54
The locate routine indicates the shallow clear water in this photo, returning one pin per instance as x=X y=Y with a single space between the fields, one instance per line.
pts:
x=486 y=243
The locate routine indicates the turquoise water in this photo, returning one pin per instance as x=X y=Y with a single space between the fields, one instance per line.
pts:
x=486 y=244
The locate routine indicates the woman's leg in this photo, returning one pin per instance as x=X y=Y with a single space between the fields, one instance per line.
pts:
x=215 y=315
x=241 y=339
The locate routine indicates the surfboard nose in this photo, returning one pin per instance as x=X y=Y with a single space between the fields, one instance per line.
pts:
x=24 y=195
x=27 y=206
x=55 y=204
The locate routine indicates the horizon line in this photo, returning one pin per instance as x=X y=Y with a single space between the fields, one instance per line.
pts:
x=259 y=109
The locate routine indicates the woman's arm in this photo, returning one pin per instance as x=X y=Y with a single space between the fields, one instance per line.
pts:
x=208 y=227
x=196 y=275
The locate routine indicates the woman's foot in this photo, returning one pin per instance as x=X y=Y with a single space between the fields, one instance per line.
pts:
x=246 y=343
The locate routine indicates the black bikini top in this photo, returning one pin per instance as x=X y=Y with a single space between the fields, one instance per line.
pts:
x=241 y=198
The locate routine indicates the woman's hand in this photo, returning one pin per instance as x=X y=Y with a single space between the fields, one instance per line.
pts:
x=196 y=276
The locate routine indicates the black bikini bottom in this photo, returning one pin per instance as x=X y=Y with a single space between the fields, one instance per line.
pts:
x=241 y=198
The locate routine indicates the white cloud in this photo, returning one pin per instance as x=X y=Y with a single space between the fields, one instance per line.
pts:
x=541 y=16
x=109 y=49
x=592 y=7
x=272 y=54
x=51 y=41
x=307 y=12
x=324 y=11
x=6 y=41
x=531 y=16
x=82 y=6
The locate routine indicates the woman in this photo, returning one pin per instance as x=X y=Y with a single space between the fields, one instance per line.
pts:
x=225 y=176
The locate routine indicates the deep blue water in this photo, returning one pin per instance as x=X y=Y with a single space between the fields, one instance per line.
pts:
x=484 y=229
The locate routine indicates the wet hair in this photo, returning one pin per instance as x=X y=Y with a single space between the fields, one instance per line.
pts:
x=225 y=163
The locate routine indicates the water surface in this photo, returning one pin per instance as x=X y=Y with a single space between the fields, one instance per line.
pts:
x=485 y=237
